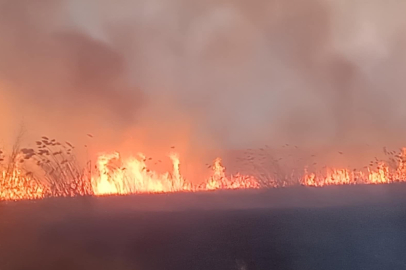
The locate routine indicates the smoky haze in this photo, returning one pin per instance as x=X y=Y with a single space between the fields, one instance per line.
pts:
x=217 y=74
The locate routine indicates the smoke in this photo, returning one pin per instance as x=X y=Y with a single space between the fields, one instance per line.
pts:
x=203 y=74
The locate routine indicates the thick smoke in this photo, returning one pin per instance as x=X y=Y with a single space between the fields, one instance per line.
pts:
x=58 y=79
x=212 y=74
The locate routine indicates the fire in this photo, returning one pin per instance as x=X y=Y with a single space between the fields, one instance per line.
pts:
x=133 y=176
x=329 y=177
x=15 y=184
x=219 y=180
x=115 y=175
x=381 y=174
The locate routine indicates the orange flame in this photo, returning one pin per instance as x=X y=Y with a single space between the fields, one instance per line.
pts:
x=117 y=176
x=17 y=185
x=134 y=177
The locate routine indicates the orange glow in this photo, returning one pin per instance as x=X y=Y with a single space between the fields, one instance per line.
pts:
x=132 y=175
x=15 y=184
x=114 y=175
x=219 y=180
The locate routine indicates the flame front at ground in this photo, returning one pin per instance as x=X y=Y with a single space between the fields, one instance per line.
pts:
x=133 y=176
x=114 y=175
x=15 y=185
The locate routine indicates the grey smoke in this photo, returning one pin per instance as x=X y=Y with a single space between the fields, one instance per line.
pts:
x=313 y=73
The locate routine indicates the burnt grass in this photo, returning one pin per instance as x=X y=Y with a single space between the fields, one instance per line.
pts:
x=347 y=227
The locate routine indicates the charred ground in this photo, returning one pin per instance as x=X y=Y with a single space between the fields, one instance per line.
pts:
x=345 y=227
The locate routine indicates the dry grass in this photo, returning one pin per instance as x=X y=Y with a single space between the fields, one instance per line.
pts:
x=49 y=170
x=61 y=170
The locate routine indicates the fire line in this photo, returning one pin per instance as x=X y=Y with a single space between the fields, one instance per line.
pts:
x=63 y=177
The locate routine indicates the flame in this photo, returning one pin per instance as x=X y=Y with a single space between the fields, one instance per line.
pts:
x=219 y=180
x=115 y=175
x=15 y=184
x=133 y=176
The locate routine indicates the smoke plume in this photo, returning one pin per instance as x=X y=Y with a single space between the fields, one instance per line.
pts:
x=205 y=74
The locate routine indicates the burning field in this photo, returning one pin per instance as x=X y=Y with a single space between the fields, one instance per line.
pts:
x=51 y=169
x=188 y=134
x=208 y=79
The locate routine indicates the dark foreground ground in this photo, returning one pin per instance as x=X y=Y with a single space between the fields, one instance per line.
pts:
x=349 y=227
